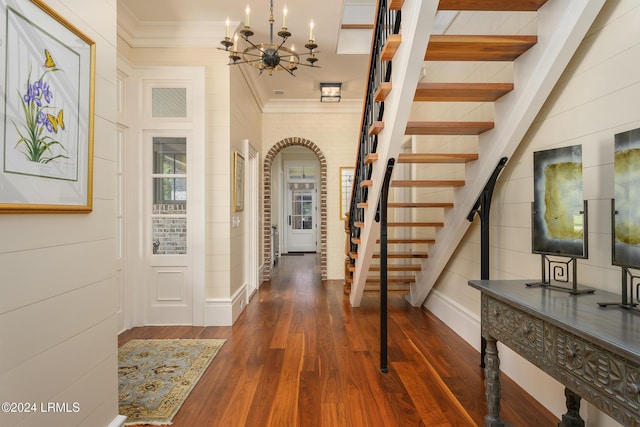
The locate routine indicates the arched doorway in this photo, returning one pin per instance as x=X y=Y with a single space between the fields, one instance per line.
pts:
x=268 y=160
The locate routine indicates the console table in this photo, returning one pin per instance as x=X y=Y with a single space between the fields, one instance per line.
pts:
x=593 y=351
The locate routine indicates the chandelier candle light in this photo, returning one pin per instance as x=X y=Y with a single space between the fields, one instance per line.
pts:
x=268 y=56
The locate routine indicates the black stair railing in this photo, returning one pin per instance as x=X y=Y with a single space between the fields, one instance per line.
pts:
x=381 y=217
x=387 y=22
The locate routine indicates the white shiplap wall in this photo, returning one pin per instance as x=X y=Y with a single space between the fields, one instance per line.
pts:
x=596 y=98
x=58 y=339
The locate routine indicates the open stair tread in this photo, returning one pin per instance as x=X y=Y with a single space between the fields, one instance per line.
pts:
x=384 y=89
x=405 y=267
x=409 y=241
x=404 y=255
x=415 y=224
x=463 y=47
x=492 y=5
x=427 y=183
x=393 y=279
x=447 y=128
x=437 y=157
x=420 y=205
x=461 y=92
x=391 y=47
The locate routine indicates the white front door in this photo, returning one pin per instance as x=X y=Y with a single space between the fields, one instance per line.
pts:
x=169 y=282
x=301 y=217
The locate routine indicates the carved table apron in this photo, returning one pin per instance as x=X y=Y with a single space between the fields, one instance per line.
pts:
x=593 y=351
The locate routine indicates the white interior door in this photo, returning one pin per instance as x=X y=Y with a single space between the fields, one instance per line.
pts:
x=169 y=282
x=301 y=217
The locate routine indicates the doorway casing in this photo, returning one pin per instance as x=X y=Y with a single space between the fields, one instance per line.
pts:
x=268 y=160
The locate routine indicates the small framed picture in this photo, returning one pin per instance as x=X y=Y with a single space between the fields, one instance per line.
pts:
x=238 y=182
x=346 y=183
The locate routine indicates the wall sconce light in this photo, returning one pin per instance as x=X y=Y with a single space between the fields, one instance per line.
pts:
x=330 y=92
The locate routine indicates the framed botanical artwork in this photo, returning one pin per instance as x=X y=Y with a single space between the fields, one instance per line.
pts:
x=238 y=182
x=346 y=183
x=559 y=217
x=46 y=155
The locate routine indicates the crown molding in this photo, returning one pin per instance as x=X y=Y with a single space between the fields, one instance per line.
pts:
x=140 y=34
x=313 y=106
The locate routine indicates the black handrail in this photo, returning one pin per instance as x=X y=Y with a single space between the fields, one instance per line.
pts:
x=482 y=208
x=381 y=216
x=387 y=22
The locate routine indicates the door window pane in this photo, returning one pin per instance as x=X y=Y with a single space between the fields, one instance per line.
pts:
x=169 y=158
x=169 y=190
x=301 y=210
x=169 y=155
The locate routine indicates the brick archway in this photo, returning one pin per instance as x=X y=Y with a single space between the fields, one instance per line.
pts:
x=268 y=160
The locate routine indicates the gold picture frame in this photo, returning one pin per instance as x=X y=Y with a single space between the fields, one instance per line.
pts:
x=238 y=182
x=346 y=184
x=46 y=158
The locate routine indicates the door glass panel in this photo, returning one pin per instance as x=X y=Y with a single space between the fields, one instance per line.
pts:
x=169 y=155
x=169 y=236
x=302 y=210
x=169 y=190
x=169 y=210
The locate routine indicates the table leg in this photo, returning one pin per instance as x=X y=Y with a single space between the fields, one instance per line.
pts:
x=572 y=417
x=492 y=384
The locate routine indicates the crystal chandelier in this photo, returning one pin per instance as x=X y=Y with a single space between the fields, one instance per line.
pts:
x=269 y=56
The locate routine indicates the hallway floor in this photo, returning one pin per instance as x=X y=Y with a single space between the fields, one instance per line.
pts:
x=300 y=355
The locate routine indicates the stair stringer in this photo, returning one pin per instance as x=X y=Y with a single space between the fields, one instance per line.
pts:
x=562 y=26
x=418 y=19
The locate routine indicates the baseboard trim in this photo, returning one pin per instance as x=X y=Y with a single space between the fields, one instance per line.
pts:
x=459 y=318
x=118 y=421
x=225 y=311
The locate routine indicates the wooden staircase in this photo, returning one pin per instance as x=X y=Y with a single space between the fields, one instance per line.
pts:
x=534 y=62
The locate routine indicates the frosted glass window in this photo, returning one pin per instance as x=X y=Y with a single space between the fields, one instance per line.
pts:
x=169 y=102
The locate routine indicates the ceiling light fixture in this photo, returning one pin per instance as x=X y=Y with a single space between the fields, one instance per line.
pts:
x=330 y=92
x=269 y=56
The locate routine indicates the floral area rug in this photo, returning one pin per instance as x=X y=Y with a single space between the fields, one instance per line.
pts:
x=156 y=375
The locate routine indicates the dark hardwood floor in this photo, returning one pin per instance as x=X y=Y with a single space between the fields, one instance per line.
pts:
x=300 y=355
